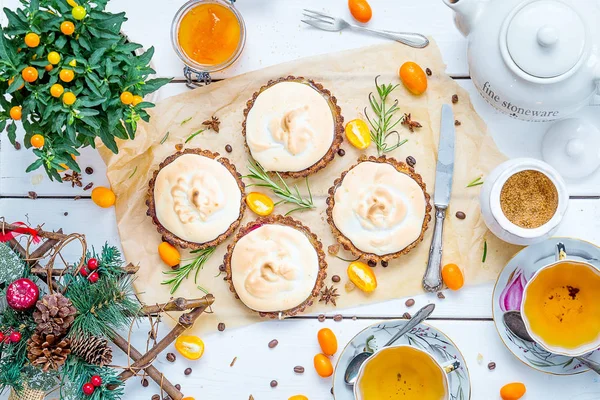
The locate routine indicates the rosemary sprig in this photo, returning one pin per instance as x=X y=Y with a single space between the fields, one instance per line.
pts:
x=281 y=189
x=185 y=121
x=484 y=251
x=164 y=139
x=475 y=182
x=176 y=276
x=382 y=124
x=133 y=173
x=193 y=135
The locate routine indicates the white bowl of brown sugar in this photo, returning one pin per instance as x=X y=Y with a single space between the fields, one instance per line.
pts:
x=523 y=201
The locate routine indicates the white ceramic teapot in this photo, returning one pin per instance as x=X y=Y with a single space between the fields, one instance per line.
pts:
x=535 y=60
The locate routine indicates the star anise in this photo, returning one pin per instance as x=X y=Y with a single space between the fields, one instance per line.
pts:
x=212 y=123
x=410 y=124
x=75 y=179
x=328 y=294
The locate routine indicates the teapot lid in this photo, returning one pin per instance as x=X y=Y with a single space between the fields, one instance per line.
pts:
x=546 y=38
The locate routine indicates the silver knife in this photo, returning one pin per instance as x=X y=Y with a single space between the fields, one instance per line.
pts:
x=432 y=281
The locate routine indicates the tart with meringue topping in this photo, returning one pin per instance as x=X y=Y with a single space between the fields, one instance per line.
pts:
x=293 y=126
x=379 y=208
x=196 y=199
x=275 y=266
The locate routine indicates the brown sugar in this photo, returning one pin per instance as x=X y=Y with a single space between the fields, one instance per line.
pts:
x=529 y=199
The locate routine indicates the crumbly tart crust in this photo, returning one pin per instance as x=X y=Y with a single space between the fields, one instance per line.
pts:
x=347 y=243
x=172 y=238
x=314 y=240
x=338 y=135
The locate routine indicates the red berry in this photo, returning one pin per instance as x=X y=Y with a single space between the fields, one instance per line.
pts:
x=1 y=337
x=94 y=277
x=22 y=294
x=88 y=389
x=96 y=380
x=84 y=272
x=92 y=264
x=15 y=337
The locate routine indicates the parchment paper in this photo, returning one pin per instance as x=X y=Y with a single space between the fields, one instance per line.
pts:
x=350 y=77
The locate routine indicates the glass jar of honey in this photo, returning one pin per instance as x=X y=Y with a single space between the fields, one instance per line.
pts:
x=208 y=36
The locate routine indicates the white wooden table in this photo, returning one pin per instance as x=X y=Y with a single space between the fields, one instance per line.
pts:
x=275 y=35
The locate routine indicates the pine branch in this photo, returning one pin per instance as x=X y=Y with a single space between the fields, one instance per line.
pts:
x=77 y=372
x=103 y=307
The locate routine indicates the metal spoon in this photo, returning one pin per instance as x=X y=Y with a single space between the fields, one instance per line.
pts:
x=354 y=365
x=514 y=323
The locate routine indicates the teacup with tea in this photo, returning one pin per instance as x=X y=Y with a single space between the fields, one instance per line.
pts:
x=402 y=372
x=561 y=306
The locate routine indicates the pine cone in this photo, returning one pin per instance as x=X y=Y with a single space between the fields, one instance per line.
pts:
x=95 y=350
x=48 y=351
x=54 y=314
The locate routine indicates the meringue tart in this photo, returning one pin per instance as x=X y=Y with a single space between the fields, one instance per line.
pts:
x=196 y=199
x=379 y=208
x=275 y=266
x=293 y=126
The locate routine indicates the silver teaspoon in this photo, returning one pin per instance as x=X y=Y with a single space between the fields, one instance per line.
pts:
x=354 y=365
x=514 y=323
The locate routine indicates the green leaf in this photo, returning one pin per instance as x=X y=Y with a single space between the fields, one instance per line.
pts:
x=108 y=140
x=35 y=165
x=12 y=133
x=7 y=53
x=153 y=85
x=96 y=56
x=144 y=59
x=17 y=24
x=60 y=42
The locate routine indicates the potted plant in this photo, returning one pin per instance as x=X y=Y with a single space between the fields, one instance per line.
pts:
x=70 y=76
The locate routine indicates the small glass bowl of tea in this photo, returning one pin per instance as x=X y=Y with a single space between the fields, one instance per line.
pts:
x=208 y=35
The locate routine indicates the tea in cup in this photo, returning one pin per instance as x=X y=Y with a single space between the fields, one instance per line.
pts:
x=561 y=306
x=402 y=372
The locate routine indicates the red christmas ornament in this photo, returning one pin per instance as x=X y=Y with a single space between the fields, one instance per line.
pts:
x=88 y=389
x=94 y=277
x=96 y=380
x=92 y=264
x=22 y=294
x=15 y=337
x=1 y=337
x=84 y=272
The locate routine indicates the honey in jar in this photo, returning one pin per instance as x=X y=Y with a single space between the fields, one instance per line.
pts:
x=209 y=33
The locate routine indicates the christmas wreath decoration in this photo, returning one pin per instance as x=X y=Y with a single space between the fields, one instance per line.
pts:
x=70 y=76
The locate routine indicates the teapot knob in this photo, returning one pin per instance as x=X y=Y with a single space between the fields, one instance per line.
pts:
x=575 y=147
x=547 y=36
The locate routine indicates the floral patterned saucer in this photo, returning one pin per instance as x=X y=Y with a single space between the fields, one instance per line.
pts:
x=423 y=336
x=508 y=294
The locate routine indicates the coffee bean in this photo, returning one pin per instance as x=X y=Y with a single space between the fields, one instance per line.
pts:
x=273 y=343
x=457 y=123
x=17 y=146
x=428 y=71
x=171 y=357
x=331 y=390
x=440 y=295
x=372 y=263
x=145 y=382
x=32 y=195
x=492 y=366
x=156 y=397
x=406 y=315
x=299 y=369
x=338 y=317
x=88 y=186
x=461 y=215
x=273 y=383
x=336 y=278
x=411 y=161
x=384 y=264
x=66 y=213
x=321 y=317
x=89 y=170
x=188 y=371
x=228 y=148
x=221 y=327
x=341 y=152
x=454 y=98
x=222 y=268
x=409 y=303
x=178 y=386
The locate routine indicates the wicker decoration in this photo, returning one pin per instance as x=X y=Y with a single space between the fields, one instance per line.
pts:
x=48 y=352
x=27 y=394
x=54 y=314
x=92 y=349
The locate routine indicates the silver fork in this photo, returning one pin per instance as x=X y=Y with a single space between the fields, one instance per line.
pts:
x=328 y=23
